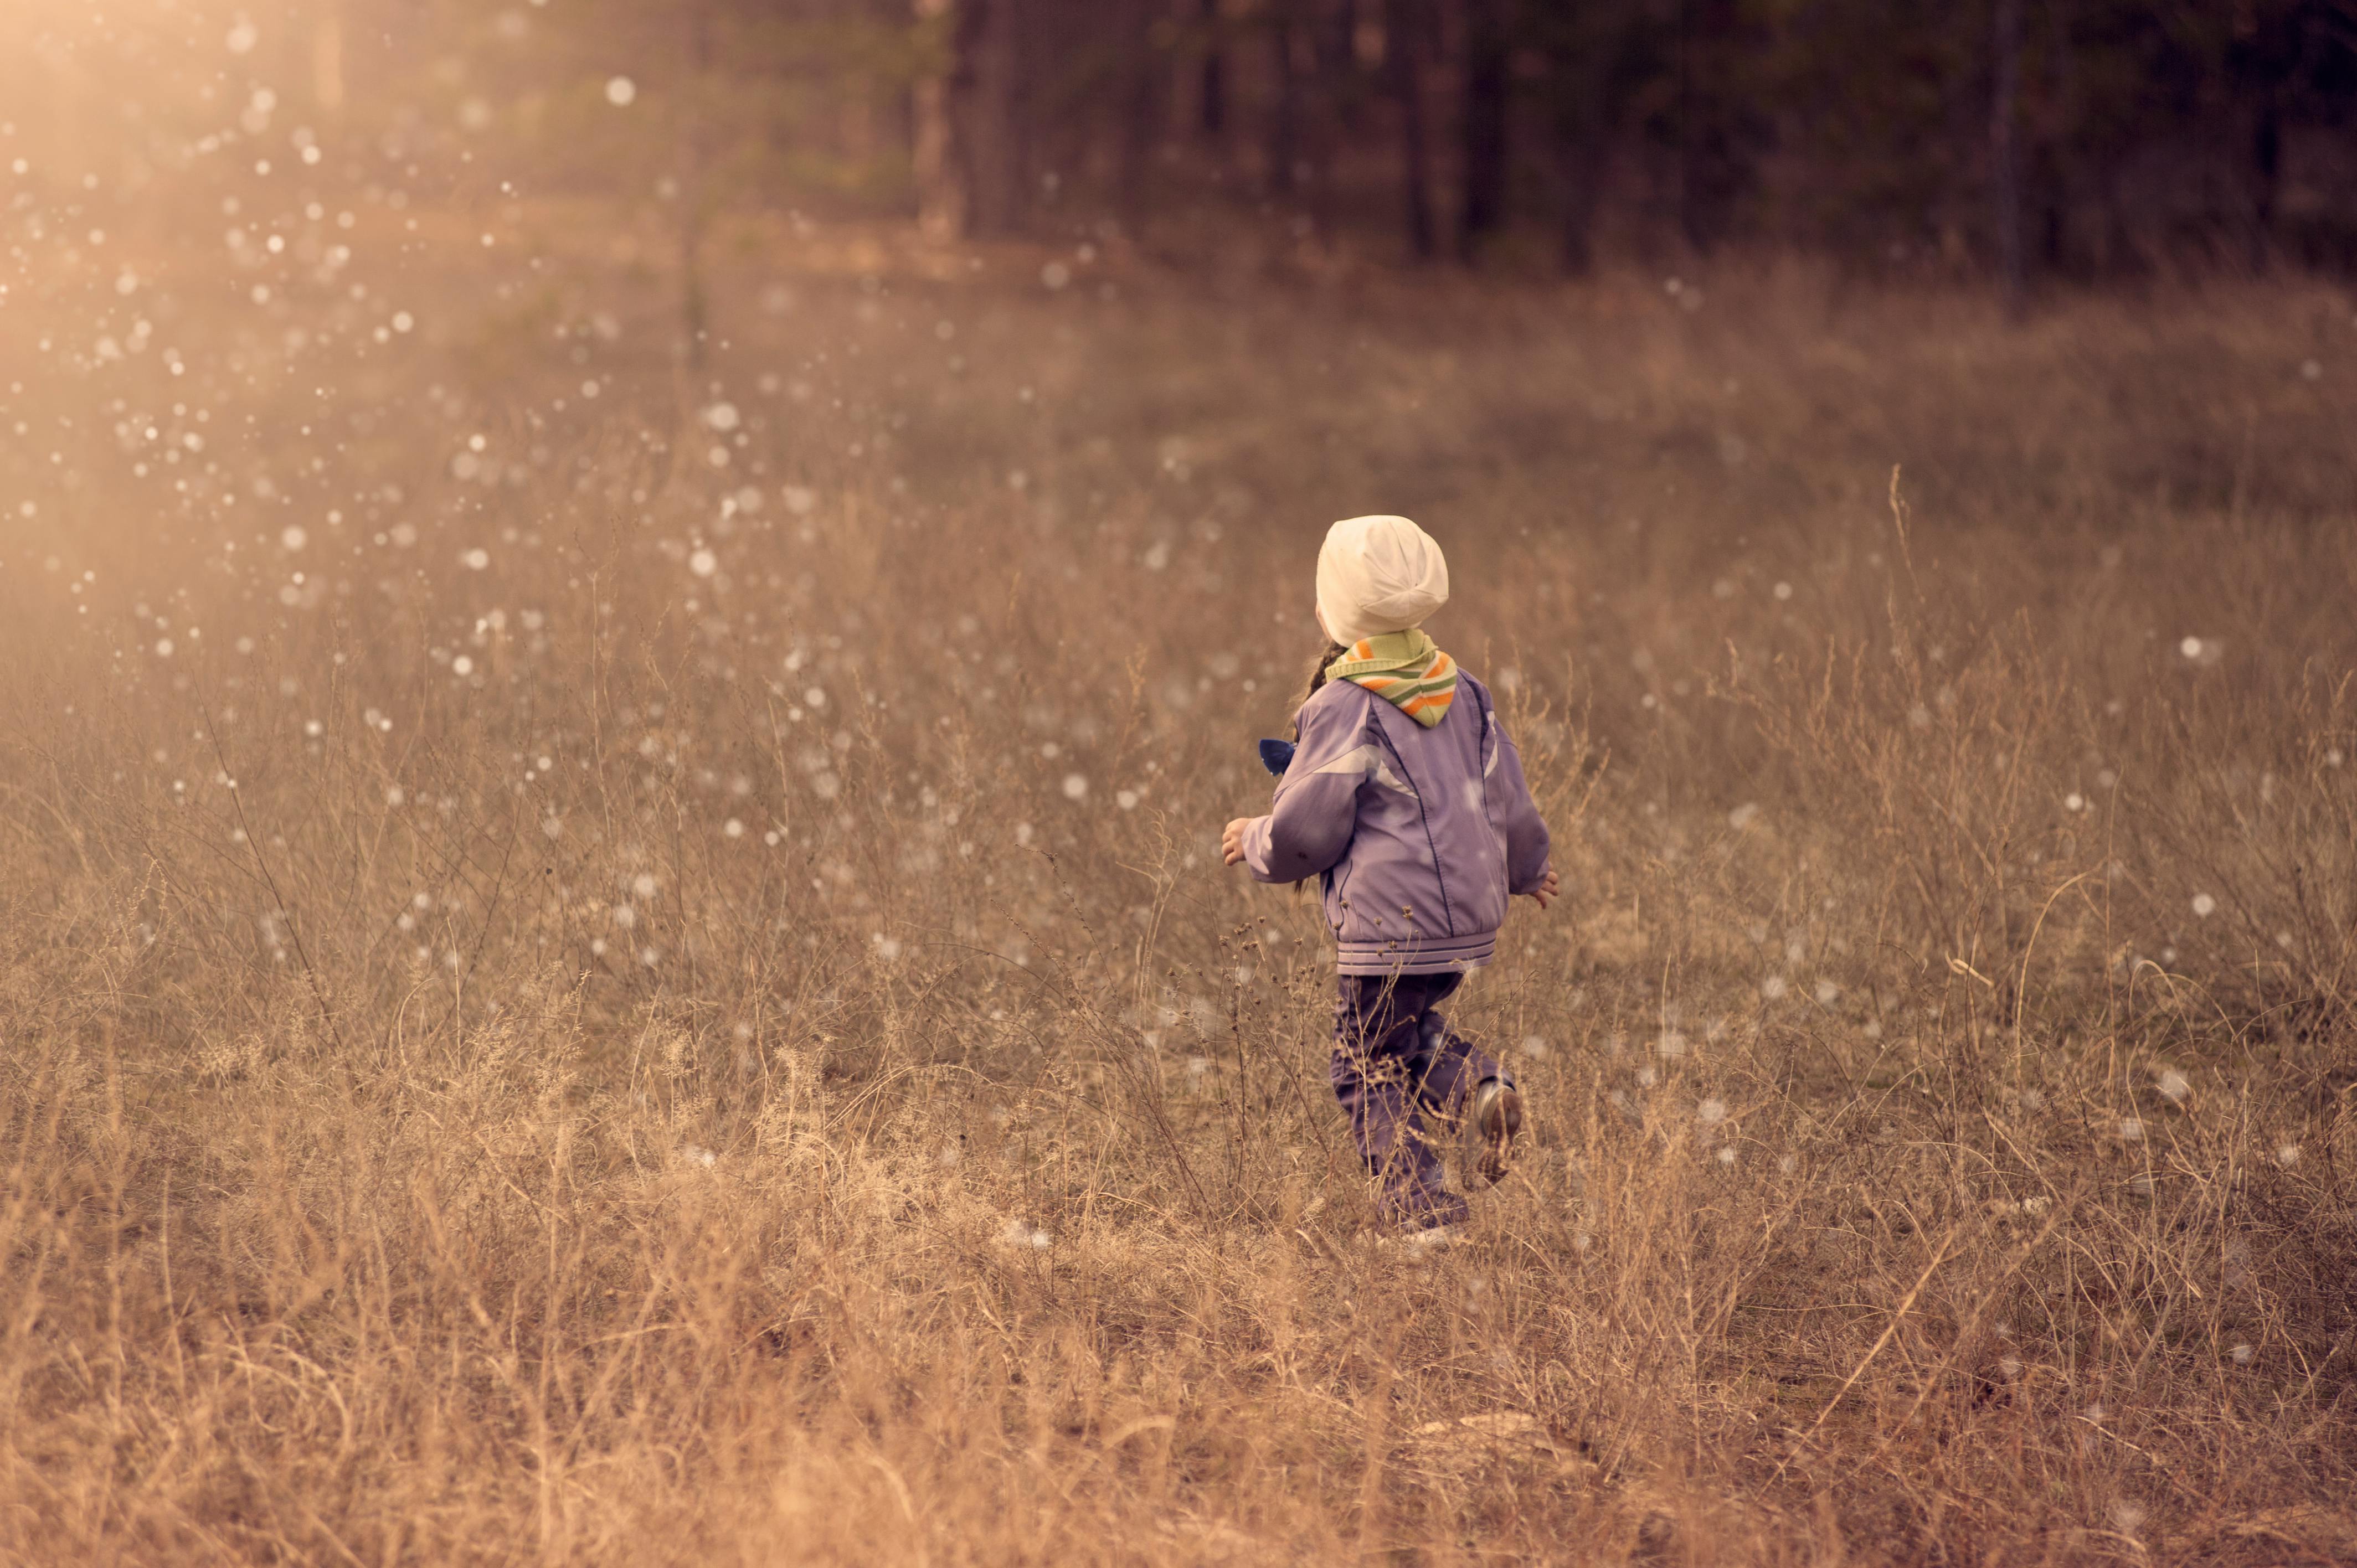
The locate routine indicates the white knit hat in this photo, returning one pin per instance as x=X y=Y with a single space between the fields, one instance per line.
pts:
x=1377 y=574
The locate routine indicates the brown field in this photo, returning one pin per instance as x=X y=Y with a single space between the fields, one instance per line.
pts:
x=670 y=999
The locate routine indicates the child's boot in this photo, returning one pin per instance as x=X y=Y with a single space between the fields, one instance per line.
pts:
x=1496 y=1121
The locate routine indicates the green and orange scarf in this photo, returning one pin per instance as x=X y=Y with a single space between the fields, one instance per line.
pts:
x=1405 y=669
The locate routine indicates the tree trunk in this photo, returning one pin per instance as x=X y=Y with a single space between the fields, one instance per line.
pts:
x=1285 y=115
x=987 y=151
x=1212 y=106
x=2004 y=158
x=944 y=187
x=694 y=157
x=1488 y=79
x=2059 y=166
x=1403 y=49
x=1712 y=171
x=1338 y=58
x=1580 y=157
x=1141 y=114
x=2266 y=181
x=1686 y=112
x=1333 y=39
x=972 y=151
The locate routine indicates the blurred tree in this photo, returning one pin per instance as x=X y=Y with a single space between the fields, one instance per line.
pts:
x=1142 y=41
x=1883 y=125
x=1338 y=60
x=1599 y=62
x=993 y=110
x=1403 y=67
x=944 y=187
x=1485 y=118
x=1283 y=25
x=1212 y=73
x=2005 y=166
x=2180 y=124
x=1718 y=126
x=696 y=193
x=1341 y=92
x=2287 y=64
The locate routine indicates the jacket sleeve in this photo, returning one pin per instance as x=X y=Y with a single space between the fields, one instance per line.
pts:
x=1317 y=807
x=1526 y=834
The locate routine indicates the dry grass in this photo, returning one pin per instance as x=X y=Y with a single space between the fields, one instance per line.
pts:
x=425 y=1152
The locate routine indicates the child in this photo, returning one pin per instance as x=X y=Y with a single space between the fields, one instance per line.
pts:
x=1405 y=799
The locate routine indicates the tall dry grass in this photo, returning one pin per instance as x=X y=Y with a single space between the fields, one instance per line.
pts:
x=712 y=1030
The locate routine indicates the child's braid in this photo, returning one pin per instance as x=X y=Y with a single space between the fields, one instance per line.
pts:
x=1334 y=650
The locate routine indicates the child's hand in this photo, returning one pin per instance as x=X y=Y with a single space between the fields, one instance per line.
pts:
x=1549 y=889
x=1231 y=841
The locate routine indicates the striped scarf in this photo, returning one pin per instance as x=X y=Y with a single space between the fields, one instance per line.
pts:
x=1404 y=668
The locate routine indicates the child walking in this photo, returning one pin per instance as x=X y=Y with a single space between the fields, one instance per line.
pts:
x=1406 y=799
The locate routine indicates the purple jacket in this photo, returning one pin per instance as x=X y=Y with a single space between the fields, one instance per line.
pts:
x=1421 y=834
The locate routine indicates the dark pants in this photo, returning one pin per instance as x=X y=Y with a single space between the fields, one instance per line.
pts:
x=1405 y=1077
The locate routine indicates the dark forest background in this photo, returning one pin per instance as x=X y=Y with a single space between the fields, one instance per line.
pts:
x=2022 y=140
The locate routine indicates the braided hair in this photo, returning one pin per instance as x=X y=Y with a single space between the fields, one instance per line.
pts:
x=1334 y=650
